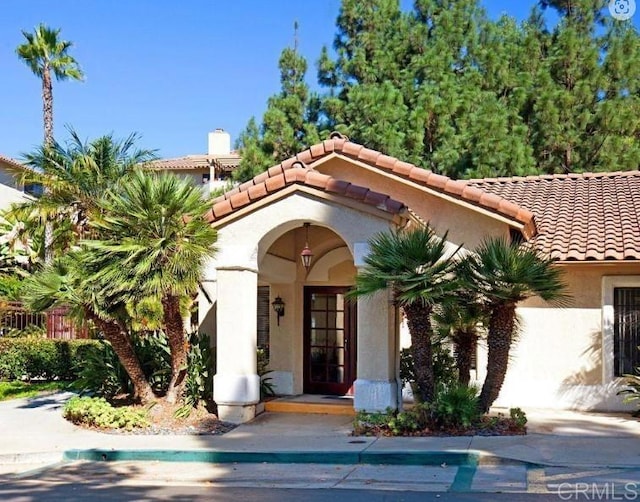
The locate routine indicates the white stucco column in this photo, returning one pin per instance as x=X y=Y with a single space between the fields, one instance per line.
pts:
x=236 y=385
x=377 y=386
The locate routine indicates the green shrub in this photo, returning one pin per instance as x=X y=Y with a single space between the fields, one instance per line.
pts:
x=102 y=373
x=518 y=417
x=41 y=358
x=631 y=392
x=200 y=369
x=97 y=412
x=444 y=364
x=456 y=406
x=415 y=419
x=390 y=422
x=267 y=388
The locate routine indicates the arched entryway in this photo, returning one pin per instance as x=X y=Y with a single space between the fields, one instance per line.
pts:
x=261 y=248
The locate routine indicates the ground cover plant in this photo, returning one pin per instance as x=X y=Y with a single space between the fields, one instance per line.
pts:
x=444 y=418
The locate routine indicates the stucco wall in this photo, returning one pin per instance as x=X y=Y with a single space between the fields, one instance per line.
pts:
x=466 y=227
x=560 y=359
x=9 y=195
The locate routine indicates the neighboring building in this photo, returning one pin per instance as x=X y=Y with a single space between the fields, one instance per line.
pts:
x=212 y=171
x=319 y=343
x=11 y=190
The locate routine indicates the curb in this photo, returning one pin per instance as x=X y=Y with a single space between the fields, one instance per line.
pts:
x=44 y=457
x=454 y=458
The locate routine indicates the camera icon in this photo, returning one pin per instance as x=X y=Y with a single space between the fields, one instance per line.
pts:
x=622 y=10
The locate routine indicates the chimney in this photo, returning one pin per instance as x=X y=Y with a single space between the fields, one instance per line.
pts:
x=219 y=142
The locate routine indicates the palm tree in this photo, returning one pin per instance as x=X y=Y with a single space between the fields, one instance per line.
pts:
x=71 y=282
x=75 y=176
x=152 y=243
x=504 y=274
x=44 y=53
x=415 y=266
x=459 y=319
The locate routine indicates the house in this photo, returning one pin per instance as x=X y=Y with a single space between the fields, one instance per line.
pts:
x=11 y=190
x=328 y=201
x=212 y=170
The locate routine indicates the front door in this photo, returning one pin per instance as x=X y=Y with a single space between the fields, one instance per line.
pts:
x=329 y=341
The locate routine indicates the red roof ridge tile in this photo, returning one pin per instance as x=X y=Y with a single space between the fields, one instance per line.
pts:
x=338 y=143
x=298 y=173
x=546 y=177
x=13 y=162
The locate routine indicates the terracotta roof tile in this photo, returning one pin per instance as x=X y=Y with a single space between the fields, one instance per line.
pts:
x=239 y=199
x=337 y=186
x=275 y=183
x=305 y=156
x=317 y=150
x=257 y=189
x=581 y=217
x=339 y=144
x=13 y=163
x=186 y=162
x=222 y=208
x=403 y=168
x=386 y=162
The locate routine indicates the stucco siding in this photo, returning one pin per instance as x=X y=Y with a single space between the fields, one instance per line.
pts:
x=561 y=357
x=465 y=226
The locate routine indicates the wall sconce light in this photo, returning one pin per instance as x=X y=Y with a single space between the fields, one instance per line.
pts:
x=306 y=255
x=278 y=307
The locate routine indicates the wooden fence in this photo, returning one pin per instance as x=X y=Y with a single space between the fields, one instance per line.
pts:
x=54 y=323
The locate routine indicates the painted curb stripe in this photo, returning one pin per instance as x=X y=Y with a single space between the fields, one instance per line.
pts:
x=328 y=457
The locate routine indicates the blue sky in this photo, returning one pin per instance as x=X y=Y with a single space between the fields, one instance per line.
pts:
x=169 y=70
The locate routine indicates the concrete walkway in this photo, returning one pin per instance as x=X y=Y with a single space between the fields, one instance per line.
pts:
x=561 y=447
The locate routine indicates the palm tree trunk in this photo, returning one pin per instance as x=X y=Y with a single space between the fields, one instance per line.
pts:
x=177 y=345
x=47 y=112
x=419 y=322
x=47 y=106
x=465 y=343
x=124 y=350
x=501 y=326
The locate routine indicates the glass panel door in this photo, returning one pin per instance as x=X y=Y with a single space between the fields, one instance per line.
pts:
x=329 y=341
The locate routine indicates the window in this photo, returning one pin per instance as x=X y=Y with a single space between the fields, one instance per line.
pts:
x=626 y=330
x=33 y=189
x=516 y=236
x=264 y=307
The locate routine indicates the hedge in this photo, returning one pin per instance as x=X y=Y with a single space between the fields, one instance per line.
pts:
x=41 y=358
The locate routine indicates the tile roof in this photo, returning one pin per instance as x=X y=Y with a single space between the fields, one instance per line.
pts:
x=277 y=179
x=591 y=216
x=12 y=162
x=196 y=162
x=456 y=189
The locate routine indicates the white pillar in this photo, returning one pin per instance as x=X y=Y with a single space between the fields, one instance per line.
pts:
x=236 y=385
x=377 y=387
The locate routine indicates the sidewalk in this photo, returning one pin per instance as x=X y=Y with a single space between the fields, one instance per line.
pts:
x=33 y=433
x=35 y=426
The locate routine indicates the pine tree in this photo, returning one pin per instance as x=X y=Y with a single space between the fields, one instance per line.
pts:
x=289 y=123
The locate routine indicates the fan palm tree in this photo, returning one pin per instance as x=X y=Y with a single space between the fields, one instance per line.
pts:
x=71 y=281
x=459 y=320
x=75 y=176
x=152 y=243
x=415 y=266
x=504 y=274
x=45 y=54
